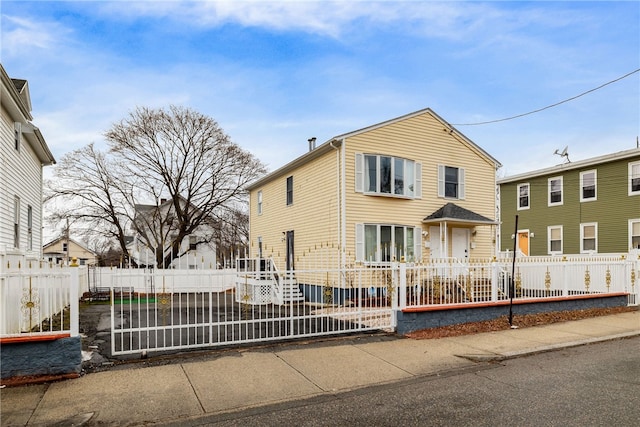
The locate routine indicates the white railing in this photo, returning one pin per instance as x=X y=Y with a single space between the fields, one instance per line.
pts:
x=170 y=320
x=259 y=281
x=447 y=282
x=38 y=298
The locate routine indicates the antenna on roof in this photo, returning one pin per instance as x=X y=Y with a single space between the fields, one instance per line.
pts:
x=563 y=153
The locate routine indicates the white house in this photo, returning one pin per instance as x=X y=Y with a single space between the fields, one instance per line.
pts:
x=156 y=228
x=23 y=155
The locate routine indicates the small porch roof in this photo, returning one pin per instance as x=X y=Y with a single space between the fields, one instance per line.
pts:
x=454 y=213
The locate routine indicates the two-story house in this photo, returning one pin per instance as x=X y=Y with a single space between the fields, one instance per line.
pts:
x=156 y=227
x=588 y=206
x=411 y=188
x=23 y=154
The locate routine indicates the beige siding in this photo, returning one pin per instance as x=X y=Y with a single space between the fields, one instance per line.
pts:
x=424 y=140
x=313 y=216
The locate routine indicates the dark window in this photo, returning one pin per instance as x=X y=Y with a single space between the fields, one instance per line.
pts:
x=290 y=190
x=450 y=182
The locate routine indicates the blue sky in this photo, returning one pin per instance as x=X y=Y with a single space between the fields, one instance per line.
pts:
x=274 y=74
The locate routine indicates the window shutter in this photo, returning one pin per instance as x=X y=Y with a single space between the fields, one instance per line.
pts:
x=461 y=183
x=360 y=242
x=440 y=180
x=417 y=243
x=359 y=173
x=418 y=183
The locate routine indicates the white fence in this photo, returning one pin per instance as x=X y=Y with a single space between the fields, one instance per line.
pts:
x=149 y=281
x=39 y=298
x=452 y=282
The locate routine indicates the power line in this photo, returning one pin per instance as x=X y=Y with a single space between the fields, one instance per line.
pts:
x=548 y=106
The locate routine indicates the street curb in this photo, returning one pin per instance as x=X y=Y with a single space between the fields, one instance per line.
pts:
x=544 y=349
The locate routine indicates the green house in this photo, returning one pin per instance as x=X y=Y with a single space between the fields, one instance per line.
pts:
x=583 y=207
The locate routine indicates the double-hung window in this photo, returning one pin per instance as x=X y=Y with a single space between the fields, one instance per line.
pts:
x=634 y=178
x=260 y=202
x=17 y=135
x=290 y=190
x=450 y=182
x=634 y=233
x=29 y=228
x=554 y=239
x=589 y=237
x=588 y=181
x=555 y=191
x=387 y=242
x=387 y=175
x=523 y=196
x=16 y=222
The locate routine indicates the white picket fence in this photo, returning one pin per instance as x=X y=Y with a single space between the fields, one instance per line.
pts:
x=149 y=281
x=449 y=281
x=39 y=298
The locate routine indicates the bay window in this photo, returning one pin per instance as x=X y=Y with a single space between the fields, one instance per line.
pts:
x=386 y=243
x=387 y=175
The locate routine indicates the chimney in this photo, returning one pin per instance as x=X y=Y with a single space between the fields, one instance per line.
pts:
x=312 y=143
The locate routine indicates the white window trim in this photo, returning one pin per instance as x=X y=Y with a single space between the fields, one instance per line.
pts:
x=441 y=182
x=259 y=196
x=360 y=242
x=630 y=177
x=522 y=208
x=595 y=183
x=631 y=222
x=549 y=251
x=561 y=202
x=360 y=174
x=582 y=226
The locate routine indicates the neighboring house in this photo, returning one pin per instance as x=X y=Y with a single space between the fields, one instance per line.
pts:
x=589 y=206
x=23 y=154
x=409 y=188
x=197 y=250
x=63 y=249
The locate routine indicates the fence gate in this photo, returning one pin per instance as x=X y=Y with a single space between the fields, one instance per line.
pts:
x=188 y=309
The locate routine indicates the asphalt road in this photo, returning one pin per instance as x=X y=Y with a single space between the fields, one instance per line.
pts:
x=592 y=385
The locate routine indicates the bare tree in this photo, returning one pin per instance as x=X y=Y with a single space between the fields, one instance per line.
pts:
x=178 y=161
x=232 y=235
x=86 y=192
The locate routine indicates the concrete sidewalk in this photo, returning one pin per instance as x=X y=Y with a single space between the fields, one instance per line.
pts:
x=188 y=391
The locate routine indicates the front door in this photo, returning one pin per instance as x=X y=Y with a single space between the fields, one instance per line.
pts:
x=434 y=242
x=523 y=242
x=460 y=244
x=289 y=260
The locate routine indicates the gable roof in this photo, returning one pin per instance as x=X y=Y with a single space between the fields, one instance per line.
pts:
x=16 y=99
x=65 y=238
x=454 y=213
x=336 y=141
x=554 y=170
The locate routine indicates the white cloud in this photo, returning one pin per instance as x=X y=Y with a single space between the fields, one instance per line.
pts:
x=20 y=36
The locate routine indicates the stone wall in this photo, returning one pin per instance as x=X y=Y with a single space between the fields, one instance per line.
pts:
x=415 y=319
x=41 y=358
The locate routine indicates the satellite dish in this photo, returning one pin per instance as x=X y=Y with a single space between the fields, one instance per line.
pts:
x=563 y=153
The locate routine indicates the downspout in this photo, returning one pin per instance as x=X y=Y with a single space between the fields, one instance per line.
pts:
x=338 y=196
x=343 y=208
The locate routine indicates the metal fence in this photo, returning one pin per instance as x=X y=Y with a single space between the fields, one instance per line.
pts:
x=173 y=318
x=39 y=298
x=449 y=281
